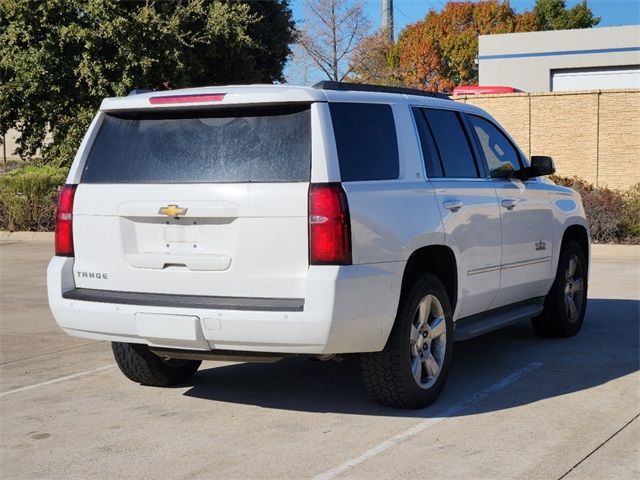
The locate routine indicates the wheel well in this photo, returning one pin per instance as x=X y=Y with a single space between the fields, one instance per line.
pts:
x=437 y=260
x=579 y=234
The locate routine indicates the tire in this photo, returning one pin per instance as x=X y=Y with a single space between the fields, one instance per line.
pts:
x=140 y=365
x=566 y=302
x=389 y=374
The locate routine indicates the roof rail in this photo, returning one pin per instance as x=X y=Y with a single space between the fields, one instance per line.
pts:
x=138 y=91
x=365 y=87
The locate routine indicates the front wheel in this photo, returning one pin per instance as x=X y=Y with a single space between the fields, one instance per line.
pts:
x=411 y=370
x=566 y=302
x=141 y=365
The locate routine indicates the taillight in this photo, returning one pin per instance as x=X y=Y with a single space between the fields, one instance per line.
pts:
x=64 y=222
x=190 y=98
x=329 y=225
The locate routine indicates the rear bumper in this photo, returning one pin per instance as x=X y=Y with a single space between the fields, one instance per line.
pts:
x=186 y=301
x=346 y=309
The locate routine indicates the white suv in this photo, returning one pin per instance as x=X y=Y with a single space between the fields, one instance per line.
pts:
x=255 y=222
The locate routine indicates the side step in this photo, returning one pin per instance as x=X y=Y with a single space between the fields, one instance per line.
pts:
x=485 y=322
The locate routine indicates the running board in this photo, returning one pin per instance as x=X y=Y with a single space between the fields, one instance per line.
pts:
x=469 y=327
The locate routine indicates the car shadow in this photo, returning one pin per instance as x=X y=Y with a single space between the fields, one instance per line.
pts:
x=607 y=348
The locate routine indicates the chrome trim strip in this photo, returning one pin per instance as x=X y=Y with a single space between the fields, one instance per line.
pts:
x=476 y=271
x=533 y=261
x=505 y=266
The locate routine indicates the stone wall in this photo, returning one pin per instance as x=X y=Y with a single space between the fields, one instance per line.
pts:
x=594 y=135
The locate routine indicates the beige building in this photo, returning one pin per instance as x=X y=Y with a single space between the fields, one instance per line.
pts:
x=562 y=60
x=9 y=145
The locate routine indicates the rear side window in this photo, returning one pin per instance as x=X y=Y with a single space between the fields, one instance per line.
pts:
x=366 y=141
x=429 y=152
x=215 y=146
x=501 y=156
x=452 y=143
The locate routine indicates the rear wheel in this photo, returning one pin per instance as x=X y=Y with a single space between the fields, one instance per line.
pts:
x=411 y=370
x=139 y=364
x=566 y=302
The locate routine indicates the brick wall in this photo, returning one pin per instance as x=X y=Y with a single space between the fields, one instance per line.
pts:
x=594 y=135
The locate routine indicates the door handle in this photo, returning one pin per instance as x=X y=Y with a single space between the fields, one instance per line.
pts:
x=508 y=203
x=452 y=205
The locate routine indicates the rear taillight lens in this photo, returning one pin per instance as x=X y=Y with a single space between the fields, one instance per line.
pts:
x=329 y=225
x=64 y=221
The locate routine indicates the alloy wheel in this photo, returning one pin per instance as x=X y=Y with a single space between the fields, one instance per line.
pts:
x=574 y=289
x=428 y=341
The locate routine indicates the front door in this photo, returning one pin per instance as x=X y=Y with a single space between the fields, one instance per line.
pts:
x=527 y=245
x=526 y=219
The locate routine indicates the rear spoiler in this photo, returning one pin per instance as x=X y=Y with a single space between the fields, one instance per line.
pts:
x=215 y=96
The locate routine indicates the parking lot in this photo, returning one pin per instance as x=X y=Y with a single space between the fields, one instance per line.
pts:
x=516 y=405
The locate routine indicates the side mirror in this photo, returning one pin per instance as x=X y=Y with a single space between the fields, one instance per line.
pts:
x=540 y=166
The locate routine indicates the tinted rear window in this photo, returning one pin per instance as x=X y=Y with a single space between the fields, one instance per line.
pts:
x=452 y=144
x=366 y=141
x=429 y=152
x=247 y=145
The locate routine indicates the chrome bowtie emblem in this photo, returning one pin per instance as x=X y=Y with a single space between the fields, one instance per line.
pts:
x=172 y=211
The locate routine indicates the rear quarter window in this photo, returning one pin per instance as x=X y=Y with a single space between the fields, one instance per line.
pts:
x=452 y=144
x=213 y=146
x=366 y=141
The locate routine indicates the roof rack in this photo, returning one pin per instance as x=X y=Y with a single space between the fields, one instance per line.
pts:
x=365 y=87
x=138 y=91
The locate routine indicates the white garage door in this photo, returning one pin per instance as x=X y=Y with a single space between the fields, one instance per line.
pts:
x=595 y=79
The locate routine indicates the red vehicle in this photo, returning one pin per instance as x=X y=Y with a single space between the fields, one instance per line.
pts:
x=483 y=89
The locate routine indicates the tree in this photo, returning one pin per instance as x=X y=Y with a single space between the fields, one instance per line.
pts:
x=440 y=51
x=375 y=60
x=330 y=34
x=553 y=15
x=59 y=58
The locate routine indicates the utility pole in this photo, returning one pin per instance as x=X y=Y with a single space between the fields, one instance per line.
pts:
x=386 y=17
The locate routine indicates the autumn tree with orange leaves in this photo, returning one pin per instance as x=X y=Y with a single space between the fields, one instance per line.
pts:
x=440 y=51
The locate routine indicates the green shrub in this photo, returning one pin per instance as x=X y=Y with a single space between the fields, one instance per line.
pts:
x=28 y=198
x=613 y=216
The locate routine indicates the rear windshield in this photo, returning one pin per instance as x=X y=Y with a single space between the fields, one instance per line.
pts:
x=223 y=146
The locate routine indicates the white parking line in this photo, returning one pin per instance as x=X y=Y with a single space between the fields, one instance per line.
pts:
x=423 y=425
x=56 y=380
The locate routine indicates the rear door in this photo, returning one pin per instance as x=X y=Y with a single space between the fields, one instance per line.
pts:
x=199 y=202
x=467 y=203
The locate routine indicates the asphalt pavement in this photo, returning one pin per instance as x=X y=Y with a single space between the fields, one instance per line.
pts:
x=516 y=405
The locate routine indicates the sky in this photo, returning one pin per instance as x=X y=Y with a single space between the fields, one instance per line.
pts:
x=612 y=13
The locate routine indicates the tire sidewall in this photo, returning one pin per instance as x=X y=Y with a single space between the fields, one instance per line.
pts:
x=425 y=285
x=565 y=326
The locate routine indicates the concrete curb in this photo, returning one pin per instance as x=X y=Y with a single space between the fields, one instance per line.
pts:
x=601 y=250
x=27 y=236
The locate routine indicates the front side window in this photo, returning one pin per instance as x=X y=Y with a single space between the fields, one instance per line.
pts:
x=499 y=153
x=452 y=143
x=366 y=141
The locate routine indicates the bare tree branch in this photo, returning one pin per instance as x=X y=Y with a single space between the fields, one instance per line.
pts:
x=330 y=34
